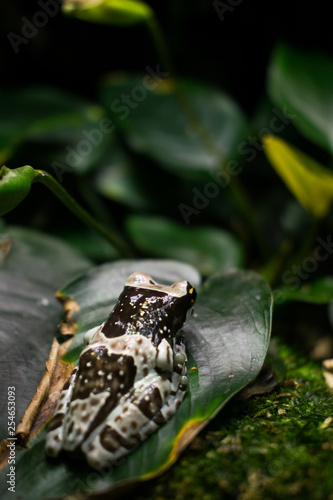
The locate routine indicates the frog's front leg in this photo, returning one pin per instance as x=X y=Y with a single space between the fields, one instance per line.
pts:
x=93 y=334
x=55 y=431
x=179 y=383
x=164 y=357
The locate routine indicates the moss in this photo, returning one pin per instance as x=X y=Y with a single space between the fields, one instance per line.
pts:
x=278 y=445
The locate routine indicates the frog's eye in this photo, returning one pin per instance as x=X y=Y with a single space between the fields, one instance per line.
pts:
x=139 y=279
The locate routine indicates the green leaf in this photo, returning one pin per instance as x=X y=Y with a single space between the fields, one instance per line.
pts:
x=319 y=291
x=32 y=266
x=88 y=243
x=48 y=115
x=227 y=341
x=310 y=182
x=118 y=180
x=14 y=186
x=114 y=12
x=207 y=248
x=300 y=83
x=163 y=122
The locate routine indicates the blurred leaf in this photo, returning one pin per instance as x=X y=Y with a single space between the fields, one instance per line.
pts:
x=300 y=83
x=118 y=180
x=155 y=120
x=33 y=266
x=89 y=244
x=49 y=115
x=227 y=341
x=294 y=220
x=113 y=12
x=15 y=185
x=208 y=249
x=310 y=182
x=319 y=291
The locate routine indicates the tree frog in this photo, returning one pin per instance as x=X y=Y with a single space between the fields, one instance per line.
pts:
x=130 y=378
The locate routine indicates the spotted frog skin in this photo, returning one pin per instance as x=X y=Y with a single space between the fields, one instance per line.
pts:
x=131 y=377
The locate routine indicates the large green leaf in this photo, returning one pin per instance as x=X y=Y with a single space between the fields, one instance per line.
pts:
x=301 y=84
x=207 y=248
x=227 y=340
x=32 y=267
x=163 y=123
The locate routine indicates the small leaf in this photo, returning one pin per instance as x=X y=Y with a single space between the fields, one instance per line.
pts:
x=114 y=12
x=14 y=187
x=207 y=248
x=227 y=340
x=319 y=291
x=308 y=180
x=118 y=180
x=300 y=83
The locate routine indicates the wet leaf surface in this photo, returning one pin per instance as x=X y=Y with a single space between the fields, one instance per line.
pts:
x=227 y=341
x=34 y=266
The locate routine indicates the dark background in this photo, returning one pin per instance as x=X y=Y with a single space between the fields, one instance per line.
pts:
x=232 y=52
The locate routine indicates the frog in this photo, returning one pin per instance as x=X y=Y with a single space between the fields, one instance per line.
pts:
x=131 y=377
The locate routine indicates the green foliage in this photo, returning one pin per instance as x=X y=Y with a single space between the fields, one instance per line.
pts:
x=319 y=291
x=208 y=249
x=177 y=123
x=271 y=446
x=300 y=82
x=310 y=182
x=14 y=187
x=169 y=166
x=46 y=115
x=113 y=12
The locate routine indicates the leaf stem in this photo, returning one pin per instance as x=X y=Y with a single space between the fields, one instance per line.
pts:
x=286 y=256
x=115 y=240
x=160 y=43
x=204 y=136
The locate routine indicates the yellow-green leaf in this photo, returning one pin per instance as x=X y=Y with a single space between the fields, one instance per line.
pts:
x=114 y=12
x=308 y=180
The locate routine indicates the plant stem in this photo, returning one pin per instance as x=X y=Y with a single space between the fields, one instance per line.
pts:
x=160 y=44
x=205 y=137
x=115 y=240
x=286 y=256
x=274 y=268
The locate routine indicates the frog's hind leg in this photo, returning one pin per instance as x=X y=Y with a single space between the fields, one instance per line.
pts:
x=152 y=402
x=54 y=435
x=125 y=428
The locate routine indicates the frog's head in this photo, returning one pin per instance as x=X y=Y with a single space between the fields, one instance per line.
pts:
x=151 y=309
x=160 y=309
